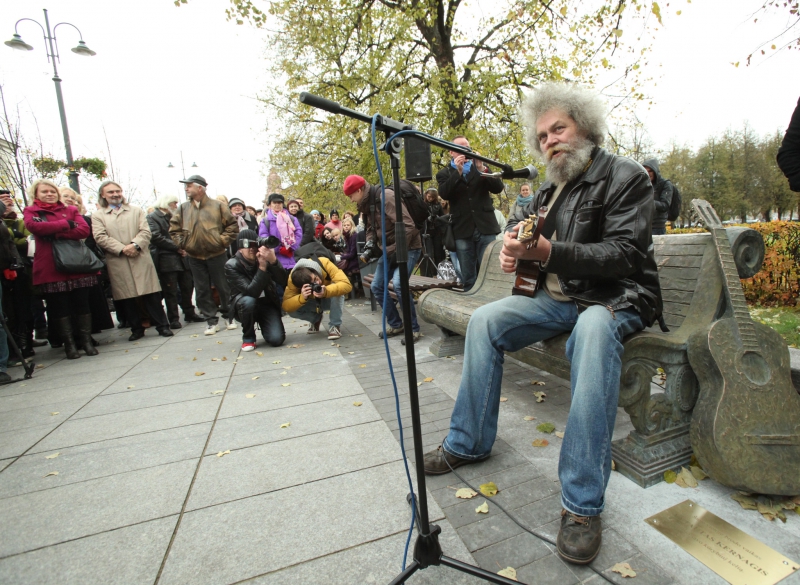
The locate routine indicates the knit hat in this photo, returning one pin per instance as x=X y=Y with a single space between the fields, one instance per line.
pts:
x=235 y=201
x=352 y=184
x=246 y=235
x=313 y=211
x=308 y=263
x=334 y=212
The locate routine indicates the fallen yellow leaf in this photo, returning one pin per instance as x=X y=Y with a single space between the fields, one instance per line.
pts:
x=483 y=508
x=249 y=395
x=218 y=392
x=357 y=403
x=503 y=399
x=285 y=384
x=287 y=367
x=194 y=359
x=199 y=373
x=224 y=359
x=429 y=379
x=624 y=569
x=129 y=387
x=219 y=342
x=155 y=357
x=613 y=465
x=363 y=366
x=540 y=443
x=489 y=489
x=509 y=573
x=51 y=473
x=685 y=479
x=536 y=383
x=276 y=362
x=351 y=352
x=286 y=425
x=260 y=353
x=698 y=472
x=195 y=336
x=214 y=359
x=466 y=493
x=53 y=456
x=540 y=396
x=255 y=377
x=54 y=413
x=529 y=418
x=560 y=434
x=284 y=373
x=223 y=453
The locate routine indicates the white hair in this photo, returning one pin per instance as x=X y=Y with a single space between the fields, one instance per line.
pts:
x=164 y=201
x=581 y=104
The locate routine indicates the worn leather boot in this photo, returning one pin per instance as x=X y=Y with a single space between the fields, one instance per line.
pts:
x=85 y=334
x=65 y=330
x=436 y=462
x=579 y=538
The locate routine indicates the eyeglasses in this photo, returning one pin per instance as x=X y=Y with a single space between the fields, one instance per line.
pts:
x=115 y=192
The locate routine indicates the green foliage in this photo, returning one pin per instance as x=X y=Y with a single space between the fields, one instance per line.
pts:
x=441 y=66
x=777 y=283
x=48 y=167
x=93 y=166
x=735 y=172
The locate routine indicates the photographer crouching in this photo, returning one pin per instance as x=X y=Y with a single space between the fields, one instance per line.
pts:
x=256 y=279
x=315 y=287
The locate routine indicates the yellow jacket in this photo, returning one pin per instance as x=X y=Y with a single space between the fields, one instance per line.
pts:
x=335 y=281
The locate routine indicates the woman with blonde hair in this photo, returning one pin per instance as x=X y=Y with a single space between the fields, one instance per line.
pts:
x=67 y=295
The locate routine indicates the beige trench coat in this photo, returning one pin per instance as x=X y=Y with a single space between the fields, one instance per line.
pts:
x=113 y=230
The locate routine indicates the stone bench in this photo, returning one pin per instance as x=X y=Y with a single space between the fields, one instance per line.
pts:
x=692 y=289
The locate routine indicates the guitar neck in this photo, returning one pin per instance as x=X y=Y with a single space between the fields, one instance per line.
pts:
x=733 y=286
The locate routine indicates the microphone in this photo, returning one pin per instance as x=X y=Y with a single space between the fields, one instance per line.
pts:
x=529 y=172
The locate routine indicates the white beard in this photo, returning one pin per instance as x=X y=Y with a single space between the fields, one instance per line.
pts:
x=570 y=164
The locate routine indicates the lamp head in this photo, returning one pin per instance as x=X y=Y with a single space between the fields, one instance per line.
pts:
x=16 y=42
x=82 y=49
x=170 y=166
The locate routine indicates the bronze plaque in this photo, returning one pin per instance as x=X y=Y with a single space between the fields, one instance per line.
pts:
x=735 y=556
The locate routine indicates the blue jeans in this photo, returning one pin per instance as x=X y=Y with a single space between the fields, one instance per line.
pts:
x=594 y=350
x=3 y=338
x=313 y=309
x=393 y=313
x=470 y=252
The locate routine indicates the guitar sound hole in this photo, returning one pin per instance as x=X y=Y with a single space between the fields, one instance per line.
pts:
x=755 y=368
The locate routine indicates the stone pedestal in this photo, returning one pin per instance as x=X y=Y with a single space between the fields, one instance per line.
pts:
x=448 y=344
x=644 y=459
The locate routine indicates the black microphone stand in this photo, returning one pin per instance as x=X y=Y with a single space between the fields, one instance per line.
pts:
x=427 y=550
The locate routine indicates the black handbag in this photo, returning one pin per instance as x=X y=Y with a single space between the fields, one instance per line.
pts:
x=73 y=256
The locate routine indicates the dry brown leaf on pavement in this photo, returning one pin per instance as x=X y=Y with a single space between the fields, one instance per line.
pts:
x=560 y=434
x=194 y=359
x=489 y=489
x=260 y=353
x=223 y=453
x=685 y=479
x=540 y=396
x=428 y=379
x=624 y=569
x=698 y=473
x=218 y=392
x=529 y=418
x=466 y=493
x=255 y=377
x=54 y=413
x=351 y=352
x=613 y=465
x=51 y=473
x=363 y=366
x=357 y=403
x=53 y=456
x=284 y=373
x=276 y=362
x=483 y=508
x=199 y=373
x=286 y=425
x=536 y=383
x=129 y=387
x=503 y=399
x=508 y=573
x=540 y=443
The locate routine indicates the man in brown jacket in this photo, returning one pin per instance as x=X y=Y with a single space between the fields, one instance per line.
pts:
x=203 y=228
x=368 y=199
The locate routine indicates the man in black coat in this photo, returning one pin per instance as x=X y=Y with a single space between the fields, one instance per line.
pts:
x=662 y=196
x=256 y=279
x=789 y=152
x=170 y=266
x=599 y=284
x=474 y=223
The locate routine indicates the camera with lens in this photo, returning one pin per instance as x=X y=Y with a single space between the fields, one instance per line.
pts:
x=316 y=287
x=270 y=242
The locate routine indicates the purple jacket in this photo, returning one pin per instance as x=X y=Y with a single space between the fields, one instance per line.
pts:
x=350 y=253
x=269 y=227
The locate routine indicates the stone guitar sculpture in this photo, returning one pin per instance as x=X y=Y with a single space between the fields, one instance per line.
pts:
x=745 y=428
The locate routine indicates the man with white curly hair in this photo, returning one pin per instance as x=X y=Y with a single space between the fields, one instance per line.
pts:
x=599 y=283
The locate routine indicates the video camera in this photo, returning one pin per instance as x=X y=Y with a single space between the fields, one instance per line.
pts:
x=270 y=242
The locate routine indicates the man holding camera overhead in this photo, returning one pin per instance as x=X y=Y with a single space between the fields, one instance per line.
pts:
x=255 y=277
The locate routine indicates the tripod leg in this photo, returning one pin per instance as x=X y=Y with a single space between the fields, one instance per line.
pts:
x=476 y=571
x=410 y=570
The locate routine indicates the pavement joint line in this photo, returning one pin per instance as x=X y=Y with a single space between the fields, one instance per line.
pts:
x=44 y=546
x=91 y=416
x=58 y=426
x=194 y=477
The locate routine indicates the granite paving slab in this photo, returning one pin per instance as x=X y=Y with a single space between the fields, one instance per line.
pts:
x=35 y=416
x=337 y=513
x=124 y=556
x=123 y=424
x=90 y=507
x=30 y=397
x=103 y=458
x=138 y=399
x=15 y=443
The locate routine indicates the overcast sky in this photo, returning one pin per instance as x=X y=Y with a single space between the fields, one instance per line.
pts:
x=168 y=79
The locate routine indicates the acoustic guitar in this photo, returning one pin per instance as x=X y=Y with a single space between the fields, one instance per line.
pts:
x=527 y=273
x=745 y=427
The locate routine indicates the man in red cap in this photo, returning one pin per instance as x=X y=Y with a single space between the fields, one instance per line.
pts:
x=368 y=200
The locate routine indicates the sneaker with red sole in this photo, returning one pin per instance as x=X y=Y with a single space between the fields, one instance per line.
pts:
x=248 y=346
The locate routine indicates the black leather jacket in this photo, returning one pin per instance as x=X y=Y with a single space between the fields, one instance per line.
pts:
x=165 y=253
x=603 y=254
x=245 y=279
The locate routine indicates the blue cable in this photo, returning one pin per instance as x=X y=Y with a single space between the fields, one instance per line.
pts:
x=386 y=339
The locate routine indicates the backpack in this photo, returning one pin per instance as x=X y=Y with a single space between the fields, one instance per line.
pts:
x=675 y=207
x=314 y=251
x=414 y=202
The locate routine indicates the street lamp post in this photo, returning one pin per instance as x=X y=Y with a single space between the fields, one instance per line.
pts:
x=183 y=170
x=51 y=46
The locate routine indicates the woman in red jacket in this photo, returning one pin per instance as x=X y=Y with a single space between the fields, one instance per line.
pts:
x=48 y=219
